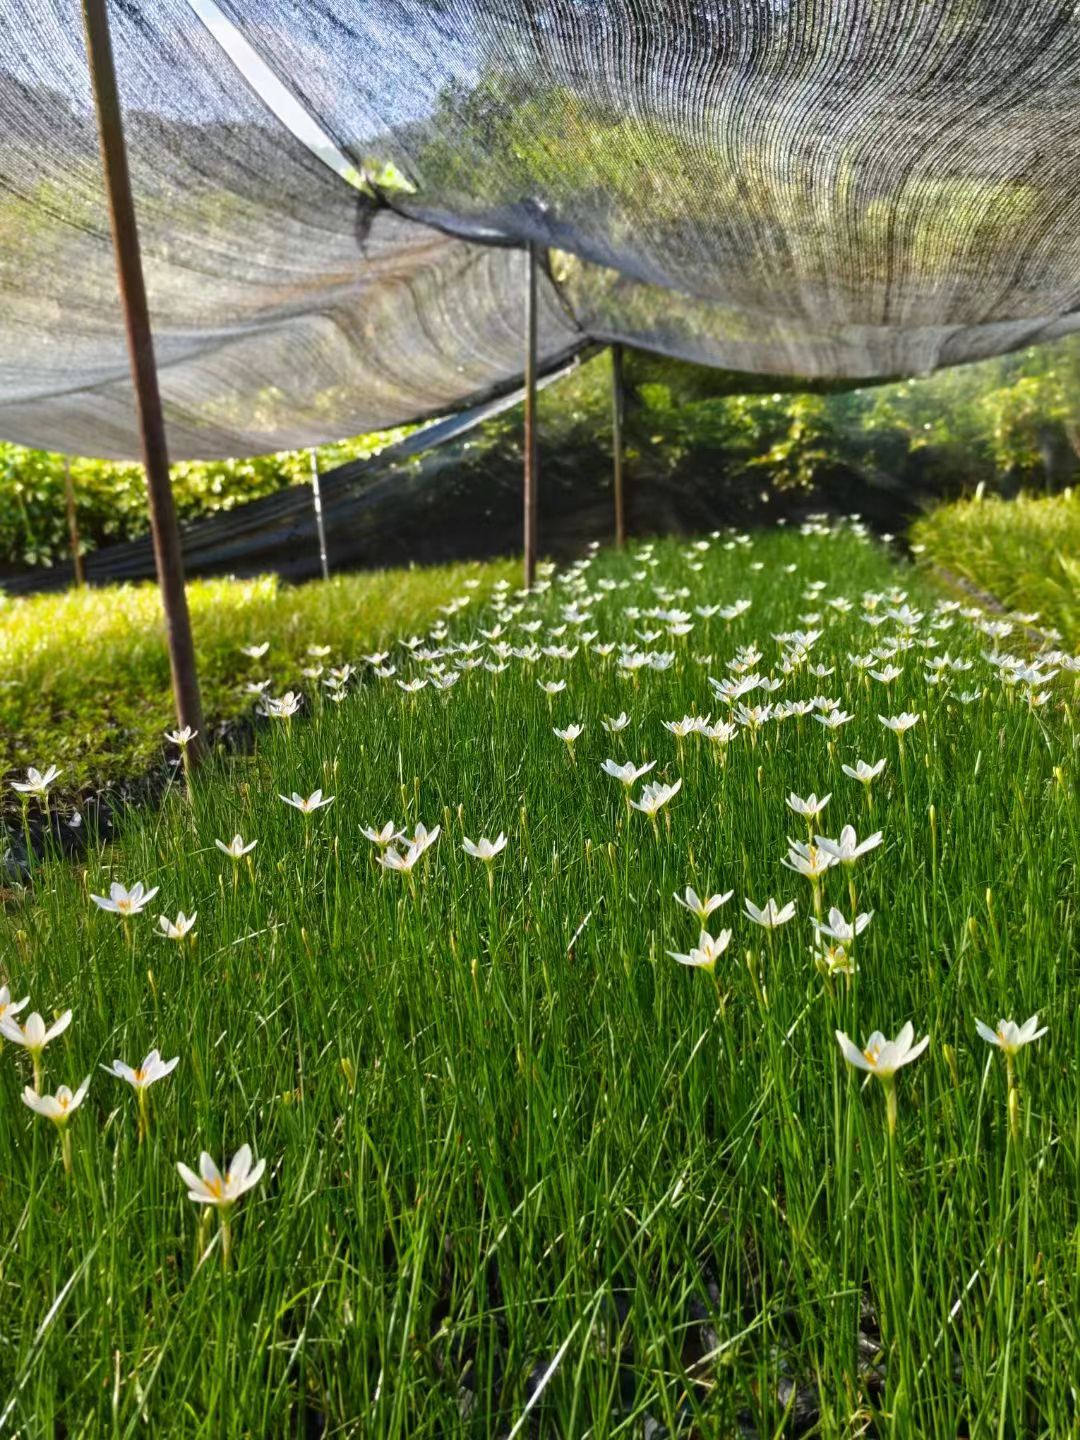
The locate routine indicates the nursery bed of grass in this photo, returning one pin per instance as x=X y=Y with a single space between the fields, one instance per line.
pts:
x=1025 y=552
x=84 y=676
x=525 y=1172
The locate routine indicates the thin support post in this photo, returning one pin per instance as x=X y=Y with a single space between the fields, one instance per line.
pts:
x=168 y=556
x=73 y=526
x=618 y=409
x=532 y=459
x=316 y=496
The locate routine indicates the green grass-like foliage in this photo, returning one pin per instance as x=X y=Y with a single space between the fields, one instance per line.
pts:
x=1025 y=552
x=507 y=1136
x=84 y=676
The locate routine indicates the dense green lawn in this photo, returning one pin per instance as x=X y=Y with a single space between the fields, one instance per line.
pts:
x=84 y=676
x=515 y=1153
x=1025 y=552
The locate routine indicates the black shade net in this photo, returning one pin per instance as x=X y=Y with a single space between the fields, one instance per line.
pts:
x=822 y=188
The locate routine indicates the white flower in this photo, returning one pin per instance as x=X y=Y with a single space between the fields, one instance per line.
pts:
x=681 y=728
x=570 y=734
x=383 y=837
x=771 y=916
x=807 y=860
x=834 y=960
x=484 y=849
x=60 y=1107
x=863 y=772
x=551 y=687
x=811 y=807
x=178 y=928
x=315 y=801
x=255 y=652
x=36 y=783
x=848 y=848
x=629 y=773
x=1010 y=1037
x=414 y=686
x=614 y=725
x=707 y=951
x=33 y=1036
x=283 y=709
x=121 y=901
x=392 y=859
x=210 y=1187
x=690 y=900
x=152 y=1069
x=834 y=719
x=181 y=737
x=839 y=929
x=883 y=1057
x=899 y=723
x=9 y=1007
x=236 y=848
x=423 y=838
x=653 y=797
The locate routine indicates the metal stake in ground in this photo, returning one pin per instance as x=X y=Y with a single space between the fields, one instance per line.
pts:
x=618 y=408
x=316 y=496
x=168 y=557
x=73 y=526
x=532 y=459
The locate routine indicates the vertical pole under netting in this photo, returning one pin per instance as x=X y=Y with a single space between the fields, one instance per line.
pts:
x=532 y=467
x=618 y=409
x=73 y=526
x=316 y=499
x=168 y=557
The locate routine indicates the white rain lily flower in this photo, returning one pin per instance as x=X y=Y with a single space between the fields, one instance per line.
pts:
x=771 y=916
x=283 y=709
x=423 y=838
x=211 y=1187
x=807 y=860
x=484 y=849
x=570 y=734
x=36 y=782
x=833 y=960
x=628 y=774
x=178 y=928
x=848 y=848
x=887 y=674
x=901 y=723
x=124 y=902
x=255 y=652
x=383 y=837
x=707 y=951
x=681 y=728
x=833 y=719
x=551 y=687
x=9 y=1007
x=414 y=686
x=863 y=772
x=34 y=1036
x=654 y=797
x=839 y=929
x=811 y=807
x=182 y=737
x=883 y=1058
x=236 y=849
x=613 y=724
x=690 y=900
x=315 y=801
x=60 y=1107
x=1009 y=1037
x=152 y=1069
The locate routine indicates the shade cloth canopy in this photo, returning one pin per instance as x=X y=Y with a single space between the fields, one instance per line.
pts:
x=821 y=188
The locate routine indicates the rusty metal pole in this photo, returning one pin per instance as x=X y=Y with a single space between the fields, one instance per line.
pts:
x=316 y=496
x=532 y=471
x=618 y=408
x=73 y=526
x=168 y=557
